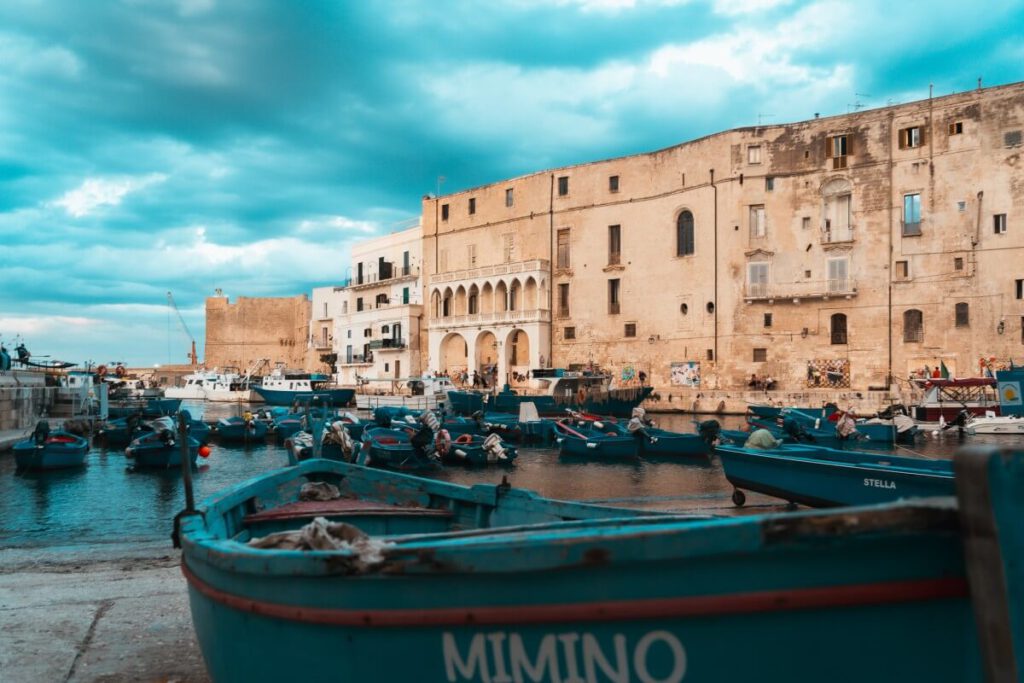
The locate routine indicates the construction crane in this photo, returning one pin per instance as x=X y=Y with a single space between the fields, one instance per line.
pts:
x=192 y=355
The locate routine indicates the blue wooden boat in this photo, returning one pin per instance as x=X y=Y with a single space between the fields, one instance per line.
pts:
x=602 y=440
x=490 y=583
x=824 y=477
x=241 y=430
x=475 y=449
x=385 y=416
x=50 y=450
x=393 y=449
x=673 y=444
x=286 y=425
x=160 y=450
x=149 y=408
x=122 y=431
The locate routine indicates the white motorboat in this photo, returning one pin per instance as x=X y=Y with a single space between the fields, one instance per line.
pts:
x=415 y=393
x=194 y=387
x=990 y=423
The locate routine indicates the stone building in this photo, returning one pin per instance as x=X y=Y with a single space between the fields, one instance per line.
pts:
x=841 y=253
x=372 y=320
x=258 y=331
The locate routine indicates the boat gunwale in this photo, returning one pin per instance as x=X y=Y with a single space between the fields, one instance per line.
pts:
x=795 y=456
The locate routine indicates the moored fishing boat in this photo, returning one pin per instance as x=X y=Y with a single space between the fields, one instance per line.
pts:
x=50 y=450
x=825 y=477
x=241 y=429
x=160 y=449
x=285 y=388
x=598 y=440
x=492 y=583
x=474 y=449
x=395 y=449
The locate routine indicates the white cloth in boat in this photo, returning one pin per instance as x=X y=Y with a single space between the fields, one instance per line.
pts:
x=323 y=535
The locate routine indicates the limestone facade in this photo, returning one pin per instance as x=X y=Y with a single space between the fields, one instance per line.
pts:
x=841 y=253
x=376 y=314
x=272 y=329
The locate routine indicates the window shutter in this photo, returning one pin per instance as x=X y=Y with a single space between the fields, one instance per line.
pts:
x=828 y=146
x=922 y=136
x=903 y=138
x=849 y=144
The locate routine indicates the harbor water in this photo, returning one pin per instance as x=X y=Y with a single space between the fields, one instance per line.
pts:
x=108 y=503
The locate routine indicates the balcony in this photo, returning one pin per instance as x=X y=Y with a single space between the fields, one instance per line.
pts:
x=491 y=319
x=837 y=235
x=782 y=292
x=358 y=360
x=369 y=280
x=535 y=266
x=388 y=344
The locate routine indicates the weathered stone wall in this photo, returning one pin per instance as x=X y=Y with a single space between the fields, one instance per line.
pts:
x=702 y=307
x=23 y=399
x=252 y=328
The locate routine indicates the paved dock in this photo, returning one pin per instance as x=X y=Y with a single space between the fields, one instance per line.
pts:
x=9 y=437
x=96 y=614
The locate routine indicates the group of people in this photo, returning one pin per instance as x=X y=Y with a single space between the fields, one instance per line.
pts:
x=761 y=383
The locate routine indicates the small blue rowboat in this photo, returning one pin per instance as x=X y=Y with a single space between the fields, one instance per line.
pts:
x=160 y=450
x=287 y=425
x=826 y=477
x=411 y=579
x=666 y=443
x=474 y=449
x=50 y=450
x=589 y=440
x=241 y=430
x=122 y=431
x=394 y=449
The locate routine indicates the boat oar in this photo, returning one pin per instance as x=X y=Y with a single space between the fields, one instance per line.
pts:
x=570 y=430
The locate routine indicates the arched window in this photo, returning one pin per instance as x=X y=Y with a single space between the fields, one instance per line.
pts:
x=684 y=234
x=913 y=325
x=473 y=304
x=839 y=328
x=963 y=315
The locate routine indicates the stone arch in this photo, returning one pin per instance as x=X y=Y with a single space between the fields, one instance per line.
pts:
x=487 y=298
x=686 y=239
x=460 y=301
x=530 y=294
x=486 y=354
x=446 y=302
x=500 y=297
x=517 y=351
x=453 y=353
x=435 y=303
x=473 y=300
x=515 y=295
x=837 y=208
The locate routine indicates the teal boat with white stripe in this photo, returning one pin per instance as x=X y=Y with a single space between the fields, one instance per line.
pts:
x=827 y=477
x=431 y=581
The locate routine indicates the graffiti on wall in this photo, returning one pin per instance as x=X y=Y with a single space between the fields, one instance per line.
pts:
x=685 y=373
x=830 y=373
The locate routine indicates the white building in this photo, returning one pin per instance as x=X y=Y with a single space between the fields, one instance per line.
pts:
x=377 y=312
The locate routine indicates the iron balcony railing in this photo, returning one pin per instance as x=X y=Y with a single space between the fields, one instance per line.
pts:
x=801 y=290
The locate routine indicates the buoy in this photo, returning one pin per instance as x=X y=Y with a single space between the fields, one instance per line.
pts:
x=204 y=451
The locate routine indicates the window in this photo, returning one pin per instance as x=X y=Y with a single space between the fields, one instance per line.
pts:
x=956 y=128
x=998 y=223
x=767 y=319
x=508 y=246
x=472 y=205
x=838 y=328
x=563 y=185
x=508 y=197
x=368 y=332
x=444 y=212
x=349 y=334
x=613 y=296
x=902 y=270
x=381 y=300
x=836 y=149
x=757 y=279
x=769 y=184
x=911 y=214
x=471 y=304
x=760 y=355
x=911 y=137
x=1020 y=289
x=614 y=244
x=471 y=255
x=385 y=329
x=1012 y=138
x=838 y=275
x=569 y=333
x=710 y=354
x=961 y=206
x=630 y=330
x=563 y=300
x=562 y=257
x=757 y=222
x=325 y=310
x=958 y=263
x=805 y=223
x=684 y=308
x=359 y=304
x=405 y=295
x=684 y=234
x=963 y=314
x=613 y=183
x=386 y=367
x=344 y=307
x=913 y=325
x=754 y=154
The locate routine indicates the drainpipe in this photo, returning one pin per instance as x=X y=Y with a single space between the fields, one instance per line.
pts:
x=715 y=299
x=551 y=270
x=891 y=227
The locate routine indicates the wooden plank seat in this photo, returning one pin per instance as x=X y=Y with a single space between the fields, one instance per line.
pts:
x=328 y=508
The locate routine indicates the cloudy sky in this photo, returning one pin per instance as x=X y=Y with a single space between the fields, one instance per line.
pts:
x=149 y=146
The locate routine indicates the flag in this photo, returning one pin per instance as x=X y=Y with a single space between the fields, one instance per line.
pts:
x=944 y=370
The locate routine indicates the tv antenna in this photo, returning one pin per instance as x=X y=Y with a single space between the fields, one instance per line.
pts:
x=857 y=104
x=761 y=117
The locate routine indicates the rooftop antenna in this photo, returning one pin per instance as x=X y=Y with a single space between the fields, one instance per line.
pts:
x=440 y=182
x=761 y=117
x=857 y=104
x=979 y=82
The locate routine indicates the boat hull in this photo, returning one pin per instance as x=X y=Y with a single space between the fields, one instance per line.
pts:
x=840 y=478
x=51 y=456
x=240 y=432
x=153 y=454
x=674 y=444
x=281 y=397
x=228 y=396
